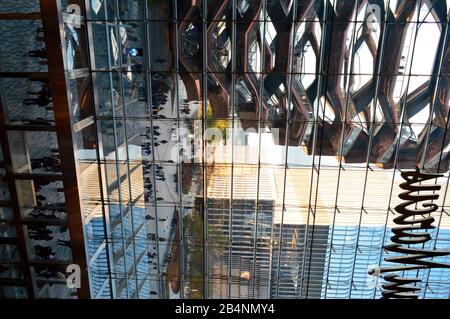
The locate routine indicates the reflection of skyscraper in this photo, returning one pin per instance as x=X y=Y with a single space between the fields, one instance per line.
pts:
x=361 y=248
x=239 y=256
x=356 y=238
x=240 y=269
x=248 y=263
x=327 y=256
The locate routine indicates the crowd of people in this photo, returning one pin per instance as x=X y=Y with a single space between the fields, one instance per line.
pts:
x=50 y=164
x=41 y=97
x=47 y=239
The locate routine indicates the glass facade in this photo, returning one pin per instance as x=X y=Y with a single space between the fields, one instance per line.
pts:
x=217 y=149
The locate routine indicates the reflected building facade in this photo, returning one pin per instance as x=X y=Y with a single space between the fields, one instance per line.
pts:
x=123 y=148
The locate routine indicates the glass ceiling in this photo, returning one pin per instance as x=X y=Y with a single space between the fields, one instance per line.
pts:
x=287 y=124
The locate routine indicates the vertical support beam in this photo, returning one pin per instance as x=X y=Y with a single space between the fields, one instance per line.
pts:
x=205 y=208
x=53 y=30
x=100 y=154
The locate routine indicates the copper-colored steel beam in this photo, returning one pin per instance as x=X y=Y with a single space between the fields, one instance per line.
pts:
x=53 y=29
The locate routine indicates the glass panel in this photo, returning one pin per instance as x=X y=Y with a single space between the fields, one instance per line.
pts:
x=133 y=53
x=19 y=6
x=80 y=98
x=107 y=88
x=29 y=155
x=106 y=45
x=27 y=101
x=9 y=253
x=7 y=229
x=49 y=243
x=4 y=188
x=41 y=199
x=76 y=51
x=25 y=51
x=13 y=292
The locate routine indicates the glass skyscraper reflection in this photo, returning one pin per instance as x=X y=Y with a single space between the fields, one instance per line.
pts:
x=217 y=149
